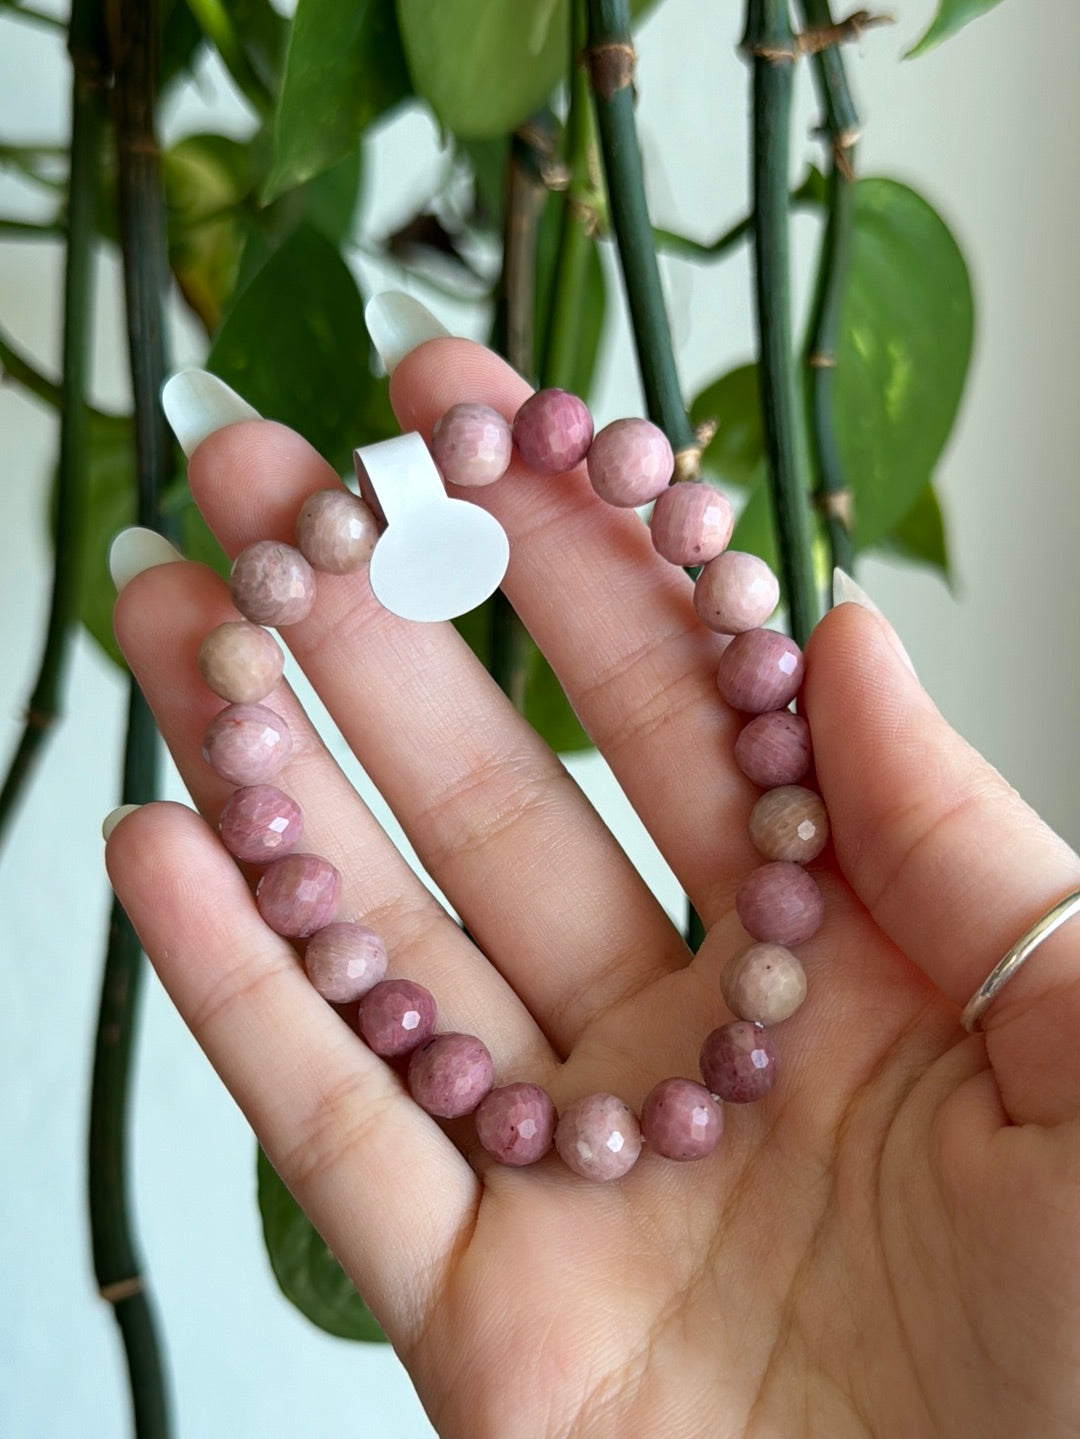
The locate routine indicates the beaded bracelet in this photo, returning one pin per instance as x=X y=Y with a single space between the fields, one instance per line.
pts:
x=629 y=463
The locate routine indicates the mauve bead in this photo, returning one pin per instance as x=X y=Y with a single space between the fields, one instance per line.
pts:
x=765 y=984
x=553 y=431
x=516 y=1123
x=240 y=661
x=738 y=1062
x=450 y=1074
x=272 y=583
x=395 y=1016
x=598 y=1137
x=774 y=749
x=345 y=960
x=681 y=1120
x=298 y=894
x=780 y=903
x=691 y=523
x=472 y=445
x=247 y=744
x=789 y=822
x=760 y=670
x=630 y=462
x=735 y=592
x=260 y=823
x=336 y=532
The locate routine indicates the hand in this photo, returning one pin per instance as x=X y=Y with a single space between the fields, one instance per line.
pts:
x=887 y=1245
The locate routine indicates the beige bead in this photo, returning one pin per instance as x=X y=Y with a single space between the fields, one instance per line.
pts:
x=764 y=984
x=336 y=532
x=240 y=661
x=789 y=823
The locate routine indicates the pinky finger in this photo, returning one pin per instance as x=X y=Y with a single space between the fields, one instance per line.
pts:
x=379 y=1180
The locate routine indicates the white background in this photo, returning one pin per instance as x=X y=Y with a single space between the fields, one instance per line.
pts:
x=986 y=127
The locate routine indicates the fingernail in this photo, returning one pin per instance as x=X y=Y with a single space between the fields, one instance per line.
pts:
x=196 y=403
x=113 y=818
x=134 y=550
x=397 y=324
x=847 y=592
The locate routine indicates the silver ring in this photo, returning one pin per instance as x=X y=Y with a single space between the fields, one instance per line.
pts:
x=1021 y=951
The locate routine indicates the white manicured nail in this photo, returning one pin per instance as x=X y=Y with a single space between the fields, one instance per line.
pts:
x=135 y=550
x=113 y=818
x=397 y=324
x=196 y=403
x=847 y=592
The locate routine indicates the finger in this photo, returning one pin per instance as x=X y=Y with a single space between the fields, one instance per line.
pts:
x=617 y=624
x=380 y=1181
x=495 y=819
x=949 y=860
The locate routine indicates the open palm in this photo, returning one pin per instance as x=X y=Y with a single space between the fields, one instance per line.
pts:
x=887 y=1245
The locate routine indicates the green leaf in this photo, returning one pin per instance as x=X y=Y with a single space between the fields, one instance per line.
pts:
x=920 y=535
x=263 y=35
x=753 y=531
x=343 y=68
x=294 y=344
x=902 y=353
x=306 y=1271
x=952 y=15
x=206 y=178
x=735 y=452
x=588 y=319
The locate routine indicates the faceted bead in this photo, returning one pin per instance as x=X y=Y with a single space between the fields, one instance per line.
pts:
x=272 y=583
x=738 y=1062
x=630 y=462
x=298 y=894
x=789 y=822
x=260 y=823
x=774 y=749
x=395 y=1016
x=765 y=984
x=336 y=532
x=345 y=960
x=735 y=592
x=240 y=661
x=760 y=670
x=780 y=903
x=516 y=1123
x=691 y=523
x=681 y=1120
x=598 y=1137
x=450 y=1074
x=472 y=445
x=247 y=744
x=553 y=431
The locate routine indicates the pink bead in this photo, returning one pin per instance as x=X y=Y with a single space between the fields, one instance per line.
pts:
x=450 y=1074
x=336 y=532
x=344 y=960
x=472 y=445
x=780 y=902
x=247 y=744
x=774 y=749
x=272 y=583
x=516 y=1123
x=260 y=823
x=240 y=661
x=630 y=462
x=790 y=823
x=691 y=523
x=599 y=1137
x=681 y=1120
x=765 y=984
x=298 y=894
x=553 y=431
x=735 y=592
x=738 y=1063
x=395 y=1016
x=760 y=670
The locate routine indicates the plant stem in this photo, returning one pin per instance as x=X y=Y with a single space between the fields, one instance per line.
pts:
x=807 y=197
x=770 y=44
x=611 y=66
x=832 y=494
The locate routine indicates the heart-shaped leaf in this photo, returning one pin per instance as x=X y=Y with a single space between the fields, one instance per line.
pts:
x=734 y=454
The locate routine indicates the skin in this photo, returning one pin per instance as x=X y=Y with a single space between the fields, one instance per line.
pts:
x=887 y=1245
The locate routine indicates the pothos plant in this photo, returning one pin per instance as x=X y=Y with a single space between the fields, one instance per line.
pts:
x=828 y=436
